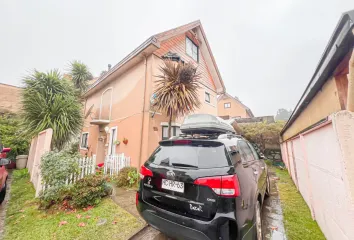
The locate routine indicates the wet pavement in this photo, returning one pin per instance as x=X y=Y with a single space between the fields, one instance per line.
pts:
x=4 y=205
x=272 y=215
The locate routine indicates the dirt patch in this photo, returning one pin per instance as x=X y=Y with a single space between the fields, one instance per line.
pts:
x=3 y=206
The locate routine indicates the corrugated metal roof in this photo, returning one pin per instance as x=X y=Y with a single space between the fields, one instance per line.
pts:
x=340 y=43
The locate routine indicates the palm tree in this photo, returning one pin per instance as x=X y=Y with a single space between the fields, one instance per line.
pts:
x=80 y=75
x=177 y=90
x=50 y=101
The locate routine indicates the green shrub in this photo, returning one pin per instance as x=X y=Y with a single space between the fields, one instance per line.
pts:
x=123 y=176
x=54 y=195
x=88 y=191
x=18 y=174
x=11 y=137
x=133 y=177
x=56 y=168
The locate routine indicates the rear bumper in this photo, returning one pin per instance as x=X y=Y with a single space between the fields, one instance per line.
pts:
x=172 y=229
x=180 y=227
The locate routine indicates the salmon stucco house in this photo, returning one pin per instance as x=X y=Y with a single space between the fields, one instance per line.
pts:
x=232 y=107
x=118 y=116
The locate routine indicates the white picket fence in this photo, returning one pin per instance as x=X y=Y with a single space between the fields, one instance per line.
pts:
x=114 y=163
x=87 y=165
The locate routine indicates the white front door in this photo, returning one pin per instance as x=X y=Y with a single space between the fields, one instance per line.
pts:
x=112 y=139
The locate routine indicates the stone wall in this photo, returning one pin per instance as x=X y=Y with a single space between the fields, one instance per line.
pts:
x=10 y=98
x=272 y=152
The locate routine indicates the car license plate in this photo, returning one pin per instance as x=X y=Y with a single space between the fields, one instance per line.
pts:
x=173 y=185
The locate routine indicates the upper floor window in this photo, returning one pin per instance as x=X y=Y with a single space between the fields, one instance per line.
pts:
x=227 y=105
x=207 y=97
x=84 y=140
x=192 y=49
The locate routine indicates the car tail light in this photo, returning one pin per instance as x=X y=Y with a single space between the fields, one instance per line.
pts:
x=144 y=171
x=182 y=142
x=137 y=198
x=227 y=186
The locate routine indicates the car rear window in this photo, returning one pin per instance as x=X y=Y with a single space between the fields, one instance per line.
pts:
x=196 y=154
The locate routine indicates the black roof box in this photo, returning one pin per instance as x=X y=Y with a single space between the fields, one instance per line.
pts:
x=205 y=123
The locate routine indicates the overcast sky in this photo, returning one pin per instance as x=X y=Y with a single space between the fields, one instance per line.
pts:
x=266 y=51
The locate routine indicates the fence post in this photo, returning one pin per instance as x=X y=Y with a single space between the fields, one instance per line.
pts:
x=94 y=164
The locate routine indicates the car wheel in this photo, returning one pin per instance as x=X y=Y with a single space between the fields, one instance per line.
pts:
x=2 y=194
x=268 y=187
x=258 y=221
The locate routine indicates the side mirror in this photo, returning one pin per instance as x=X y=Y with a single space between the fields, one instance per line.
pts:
x=234 y=152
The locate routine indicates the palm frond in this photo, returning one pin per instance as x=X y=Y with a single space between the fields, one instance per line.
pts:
x=49 y=101
x=177 y=89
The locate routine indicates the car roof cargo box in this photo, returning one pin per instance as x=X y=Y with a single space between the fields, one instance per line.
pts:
x=205 y=124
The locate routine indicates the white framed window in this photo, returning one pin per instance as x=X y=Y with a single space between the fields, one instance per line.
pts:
x=84 y=140
x=175 y=131
x=227 y=105
x=112 y=139
x=192 y=49
x=207 y=97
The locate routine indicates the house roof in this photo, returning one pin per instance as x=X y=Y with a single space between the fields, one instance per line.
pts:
x=340 y=43
x=237 y=100
x=155 y=41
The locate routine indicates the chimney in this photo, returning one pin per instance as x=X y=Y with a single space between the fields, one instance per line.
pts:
x=109 y=67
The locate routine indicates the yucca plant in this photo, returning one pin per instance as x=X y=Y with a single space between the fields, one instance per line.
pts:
x=176 y=91
x=80 y=75
x=50 y=101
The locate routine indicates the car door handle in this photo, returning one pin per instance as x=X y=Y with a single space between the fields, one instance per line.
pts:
x=255 y=172
x=263 y=167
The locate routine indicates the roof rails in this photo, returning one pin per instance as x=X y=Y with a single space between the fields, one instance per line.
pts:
x=207 y=136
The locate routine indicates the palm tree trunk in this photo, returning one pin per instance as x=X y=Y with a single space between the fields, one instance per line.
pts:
x=169 y=126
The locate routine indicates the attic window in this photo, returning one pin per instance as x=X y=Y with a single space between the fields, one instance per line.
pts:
x=192 y=49
x=227 y=105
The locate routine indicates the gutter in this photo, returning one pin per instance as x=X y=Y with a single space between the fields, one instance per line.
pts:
x=334 y=51
x=142 y=115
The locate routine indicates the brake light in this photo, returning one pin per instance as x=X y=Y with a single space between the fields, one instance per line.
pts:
x=182 y=142
x=144 y=171
x=227 y=186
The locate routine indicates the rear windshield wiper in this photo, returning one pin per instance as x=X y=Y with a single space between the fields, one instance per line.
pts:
x=183 y=165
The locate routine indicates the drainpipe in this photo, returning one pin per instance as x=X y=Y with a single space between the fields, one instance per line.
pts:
x=350 y=100
x=142 y=113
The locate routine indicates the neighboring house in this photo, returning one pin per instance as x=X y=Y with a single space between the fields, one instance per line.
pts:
x=318 y=139
x=118 y=104
x=10 y=98
x=232 y=107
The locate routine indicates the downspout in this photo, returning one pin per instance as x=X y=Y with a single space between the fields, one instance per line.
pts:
x=350 y=99
x=143 y=113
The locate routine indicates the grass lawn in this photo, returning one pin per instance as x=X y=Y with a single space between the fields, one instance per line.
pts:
x=25 y=221
x=297 y=216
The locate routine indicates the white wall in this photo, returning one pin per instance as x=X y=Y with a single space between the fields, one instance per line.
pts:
x=319 y=167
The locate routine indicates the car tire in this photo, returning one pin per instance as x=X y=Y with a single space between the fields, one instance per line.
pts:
x=2 y=194
x=267 y=193
x=258 y=217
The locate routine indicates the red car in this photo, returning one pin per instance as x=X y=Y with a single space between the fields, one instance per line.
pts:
x=3 y=173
